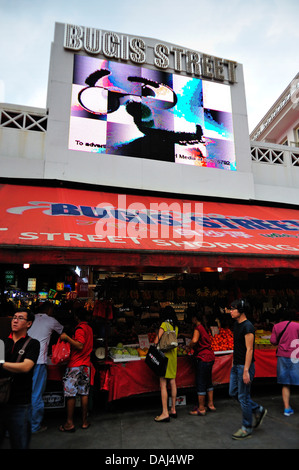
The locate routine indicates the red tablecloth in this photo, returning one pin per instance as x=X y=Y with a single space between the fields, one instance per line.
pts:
x=133 y=378
x=265 y=362
x=124 y=379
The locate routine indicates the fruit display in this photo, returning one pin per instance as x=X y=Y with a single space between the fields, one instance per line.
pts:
x=222 y=341
x=125 y=353
x=262 y=339
x=182 y=351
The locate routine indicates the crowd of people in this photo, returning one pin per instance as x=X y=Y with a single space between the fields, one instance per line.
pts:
x=285 y=335
x=26 y=353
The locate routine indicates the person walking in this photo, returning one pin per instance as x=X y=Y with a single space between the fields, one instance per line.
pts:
x=169 y=321
x=15 y=416
x=285 y=335
x=205 y=359
x=243 y=370
x=78 y=372
x=42 y=328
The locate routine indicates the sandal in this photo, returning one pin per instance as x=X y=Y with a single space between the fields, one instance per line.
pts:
x=63 y=429
x=162 y=420
x=211 y=408
x=197 y=412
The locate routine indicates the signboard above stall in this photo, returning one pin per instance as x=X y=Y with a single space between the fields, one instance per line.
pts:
x=91 y=220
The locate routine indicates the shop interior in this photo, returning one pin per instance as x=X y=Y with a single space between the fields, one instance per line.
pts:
x=124 y=304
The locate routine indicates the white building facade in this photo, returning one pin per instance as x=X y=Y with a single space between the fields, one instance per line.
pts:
x=185 y=113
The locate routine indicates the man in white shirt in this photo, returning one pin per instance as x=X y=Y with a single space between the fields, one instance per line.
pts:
x=41 y=329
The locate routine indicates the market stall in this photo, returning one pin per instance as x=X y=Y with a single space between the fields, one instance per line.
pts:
x=125 y=379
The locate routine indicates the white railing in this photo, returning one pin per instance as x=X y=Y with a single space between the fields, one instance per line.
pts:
x=24 y=120
x=273 y=154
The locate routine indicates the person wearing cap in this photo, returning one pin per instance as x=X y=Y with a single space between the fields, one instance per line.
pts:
x=243 y=370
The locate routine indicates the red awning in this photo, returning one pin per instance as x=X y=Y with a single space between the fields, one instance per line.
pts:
x=61 y=225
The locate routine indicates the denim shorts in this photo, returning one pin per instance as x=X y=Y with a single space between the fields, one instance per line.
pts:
x=287 y=371
x=76 y=381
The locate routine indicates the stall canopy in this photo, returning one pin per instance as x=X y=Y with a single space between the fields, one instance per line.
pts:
x=63 y=225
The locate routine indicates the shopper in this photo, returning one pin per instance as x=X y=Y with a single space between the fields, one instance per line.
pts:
x=77 y=375
x=15 y=416
x=242 y=372
x=285 y=334
x=205 y=359
x=43 y=326
x=169 y=321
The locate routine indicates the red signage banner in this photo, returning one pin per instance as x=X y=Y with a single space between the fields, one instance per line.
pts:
x=32 y=216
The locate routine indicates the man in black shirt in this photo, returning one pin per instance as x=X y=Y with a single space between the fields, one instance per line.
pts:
x=15 y=416
x=242 y=372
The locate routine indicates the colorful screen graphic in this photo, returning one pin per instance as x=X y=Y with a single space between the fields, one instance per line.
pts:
x=120 y=109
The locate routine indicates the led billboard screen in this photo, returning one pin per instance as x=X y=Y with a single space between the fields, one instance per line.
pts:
x=120 y=109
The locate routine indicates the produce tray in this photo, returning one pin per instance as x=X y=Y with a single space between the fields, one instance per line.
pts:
x=124 y=357
x=217 y=353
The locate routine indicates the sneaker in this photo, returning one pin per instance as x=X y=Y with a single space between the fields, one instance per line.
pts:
x=288 y=412
x=260 y=417
x=241 y=434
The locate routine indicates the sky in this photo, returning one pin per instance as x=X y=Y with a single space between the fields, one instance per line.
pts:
x=262 y=35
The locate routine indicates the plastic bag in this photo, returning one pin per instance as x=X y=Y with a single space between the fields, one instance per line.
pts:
x=61 y=352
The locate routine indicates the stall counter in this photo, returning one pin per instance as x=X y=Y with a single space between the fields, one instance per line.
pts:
x=126 y=379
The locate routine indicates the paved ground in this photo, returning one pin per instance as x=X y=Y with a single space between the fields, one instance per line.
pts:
x=129 y=426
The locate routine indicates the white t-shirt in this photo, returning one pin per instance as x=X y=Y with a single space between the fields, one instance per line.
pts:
x=41 y=329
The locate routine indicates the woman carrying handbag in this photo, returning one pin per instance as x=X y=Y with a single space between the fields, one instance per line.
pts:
x=168 y=321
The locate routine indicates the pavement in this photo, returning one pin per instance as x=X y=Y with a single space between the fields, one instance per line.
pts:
x=127 y=426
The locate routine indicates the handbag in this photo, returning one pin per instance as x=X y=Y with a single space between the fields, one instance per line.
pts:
x=168 y=340
x=61 y=352
x=156 y=361
x=6 y=382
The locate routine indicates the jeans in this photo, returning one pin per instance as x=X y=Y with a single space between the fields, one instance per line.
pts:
x=16 y=419
x=238 y=389
x=203 y=377
x=39 y=382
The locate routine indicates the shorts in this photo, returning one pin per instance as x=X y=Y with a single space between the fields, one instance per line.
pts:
x=287 y=371
x=76 y=381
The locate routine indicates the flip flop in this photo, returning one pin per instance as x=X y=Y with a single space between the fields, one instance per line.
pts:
x=196 y=412
x=63 y=429
x=85 y=427
x=163 y=420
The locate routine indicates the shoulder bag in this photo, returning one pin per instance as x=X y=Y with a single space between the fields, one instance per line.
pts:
x=282 y=332
x=6 y=382
x=168 y=339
